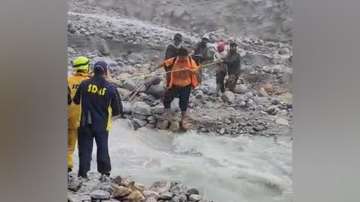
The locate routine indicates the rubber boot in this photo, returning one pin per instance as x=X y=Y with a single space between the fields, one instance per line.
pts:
x=167 y=114
x=185 y=122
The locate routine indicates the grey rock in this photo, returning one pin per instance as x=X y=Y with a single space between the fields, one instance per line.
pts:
x=151 y=199
x=151 y=194
x=151 y=119
x=195 y=197
x=127 y=108
x=174 y=126
x=275 y=102
x=166 y=196
x=100 y=195
x=139 y=116
x=142 y=108
x=123 y=92
x=129 y=85
x=117 y=180
x=178 y=188
x=179 y=198
x=156 y=90
x=241 y=89
x=162 y=124
x=199 y=95
x=102 y=47
x=71 y=50
x=272 y=110
x=249 y=95
x=258 y=128
x=74 y=184
x=137 y=123
x=282 y=121
x=158 y=110
x=228 y=96
x=160 y=186
x=192 y=191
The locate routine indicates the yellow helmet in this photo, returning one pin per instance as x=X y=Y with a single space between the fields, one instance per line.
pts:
x=81 y=63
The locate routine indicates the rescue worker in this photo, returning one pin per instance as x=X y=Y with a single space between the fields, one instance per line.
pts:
x=221 y=68
x=183 y=78
x=201 y=51
x=99 y=101
x=172 y=49
x=81 y=66
x=232 y=62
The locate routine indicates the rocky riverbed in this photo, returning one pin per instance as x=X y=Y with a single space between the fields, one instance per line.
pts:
x=134 y=44
x=126 y=190
x=261 y=104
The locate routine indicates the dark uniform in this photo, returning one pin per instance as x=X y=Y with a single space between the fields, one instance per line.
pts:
x=232 y=61
x=99 y=102
x=171 y=51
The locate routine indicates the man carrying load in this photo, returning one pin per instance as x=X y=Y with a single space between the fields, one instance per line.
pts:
x=183 y=77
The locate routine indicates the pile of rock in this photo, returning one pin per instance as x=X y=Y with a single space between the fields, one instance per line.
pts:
x=125 y=190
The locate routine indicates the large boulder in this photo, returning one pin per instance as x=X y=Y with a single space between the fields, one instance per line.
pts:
x=135 y=196
x=174 y=126
x=156 y=90
x=141 y=108
x=194 y=197
x=120 y=191
x=229 y=97
x=160 y=186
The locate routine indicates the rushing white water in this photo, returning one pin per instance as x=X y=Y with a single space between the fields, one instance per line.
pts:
x=224 y=169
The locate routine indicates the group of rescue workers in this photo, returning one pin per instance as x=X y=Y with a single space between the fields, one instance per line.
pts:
x=93 y=100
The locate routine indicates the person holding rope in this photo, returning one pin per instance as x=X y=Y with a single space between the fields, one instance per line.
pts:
x=232 y=62
x=181 y=79
x=173 y=49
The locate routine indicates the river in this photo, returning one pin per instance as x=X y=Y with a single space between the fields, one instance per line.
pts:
x=224 y=169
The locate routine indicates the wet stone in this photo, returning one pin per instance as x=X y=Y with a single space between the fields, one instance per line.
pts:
x=100 y=195
x=195 y=197
x=166 y=196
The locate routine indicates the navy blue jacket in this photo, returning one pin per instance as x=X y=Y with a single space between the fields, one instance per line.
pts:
x=99 y=101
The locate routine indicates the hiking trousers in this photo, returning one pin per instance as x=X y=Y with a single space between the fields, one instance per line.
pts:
x=182 y=92
x=220 y=81
x=86 y=137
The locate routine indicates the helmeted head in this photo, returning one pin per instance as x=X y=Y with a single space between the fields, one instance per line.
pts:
x=81 y=64
x=177 y=39
x=100 y=68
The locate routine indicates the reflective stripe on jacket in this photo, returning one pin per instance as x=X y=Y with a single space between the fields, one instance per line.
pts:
x=183 y=72
x=74 y=110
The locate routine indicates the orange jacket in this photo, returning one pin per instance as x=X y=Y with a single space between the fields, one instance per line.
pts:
x=183 y=72
x=73 y=109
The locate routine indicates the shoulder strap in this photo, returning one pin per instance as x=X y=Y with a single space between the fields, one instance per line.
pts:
x=173 y=62
x=190 y=60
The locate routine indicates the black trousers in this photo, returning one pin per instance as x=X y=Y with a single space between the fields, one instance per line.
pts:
x=220 y=80
x=85 y=144
x=182 y=92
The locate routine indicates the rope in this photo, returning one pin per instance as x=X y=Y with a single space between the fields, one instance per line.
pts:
x=166 y=72
x=130 y=97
